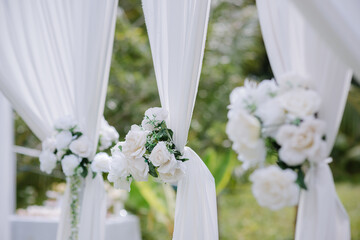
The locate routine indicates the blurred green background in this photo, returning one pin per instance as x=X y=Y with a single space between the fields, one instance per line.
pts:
x=234 y=51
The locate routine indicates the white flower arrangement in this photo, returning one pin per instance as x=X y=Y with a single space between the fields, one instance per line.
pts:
x=277 y=120
x=147 y=150
x=71 y=149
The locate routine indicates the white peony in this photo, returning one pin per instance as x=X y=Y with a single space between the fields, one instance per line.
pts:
x=272 y=115
x=47 y=161
x=101 y=162
x=299 y=143
x=81 y=146
x=275 y=188
x=49 y=144
x=156 y=113
x=65 y=123
x=135 y=140
x=63 y=139
x=160 y=154
x=69 y=163
x=300 y=102
x=173 y=176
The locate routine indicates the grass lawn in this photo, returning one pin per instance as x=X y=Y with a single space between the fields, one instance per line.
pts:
x=240 y=217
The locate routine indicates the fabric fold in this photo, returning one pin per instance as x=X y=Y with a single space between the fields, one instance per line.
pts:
x=177 y=33
x=56 y=59
x=196 y=200
x=294 y=47
x=319 y=206
x=93 y=209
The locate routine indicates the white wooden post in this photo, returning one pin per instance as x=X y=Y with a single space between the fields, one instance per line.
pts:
x=7 y=168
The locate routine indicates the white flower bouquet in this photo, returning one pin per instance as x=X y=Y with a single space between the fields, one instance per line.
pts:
x=147 y=150
x=71 y=149
x=277 y=120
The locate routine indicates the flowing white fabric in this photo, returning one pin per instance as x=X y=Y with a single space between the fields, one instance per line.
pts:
x=55 y=60
x=293 y=46
x=7 y=169
x=177 y=33
x=338 y=23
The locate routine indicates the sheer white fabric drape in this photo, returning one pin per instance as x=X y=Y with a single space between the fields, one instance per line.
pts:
x=177 y=33
x=55 y=60
x=7 y=169
x=293 y=46
x=338 y=23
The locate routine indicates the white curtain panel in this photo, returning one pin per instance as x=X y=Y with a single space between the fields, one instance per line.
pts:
x=177 y=33
x=54 y=61
x=293 y=46
x=338 y=23
x=7 y=169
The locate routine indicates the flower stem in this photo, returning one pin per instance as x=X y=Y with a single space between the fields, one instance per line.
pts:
x=75 y=184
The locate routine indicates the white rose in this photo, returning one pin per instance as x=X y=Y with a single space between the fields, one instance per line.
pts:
x=251 y=95
x=81 y=146
x=49 y=144
x=120 y=183
x=65 y=123
x=119 y=164
x=69 y=163
x=135 y=140
x=299 y=143
x=107 y=135
x=272 y=116
x=300 y=102
x=101 y=162
x=47 y=161
x=158 y=114
x=116 y=148
x=174 y=175
x=292 y=80
x=123 y=166
x=243 y=128
x=139 y=169
x=244 y=97
x=63 y=139
x=169 y=166
x=266 y=90
x=251 y=156
x=160 y=154
x=60 y=154
x=275 y=188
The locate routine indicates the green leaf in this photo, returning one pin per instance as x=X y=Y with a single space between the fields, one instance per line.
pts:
x=301 y=179
x=85 y=172
x=183 y=159
x=77 y=134
x=94 y=174
x=152 y=170
x=120 y=147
